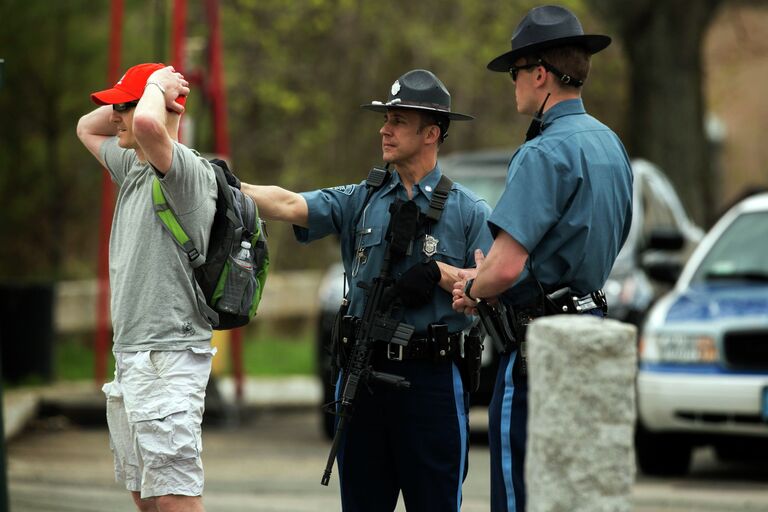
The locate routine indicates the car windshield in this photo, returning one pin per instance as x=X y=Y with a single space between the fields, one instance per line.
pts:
x=741 y=252
x=486 y=186
x=483 y=172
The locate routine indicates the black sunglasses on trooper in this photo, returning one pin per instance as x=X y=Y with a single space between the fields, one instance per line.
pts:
x=514 y=70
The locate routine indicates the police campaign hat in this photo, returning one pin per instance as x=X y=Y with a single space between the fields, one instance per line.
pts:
x=418 y=89
x=546 y=27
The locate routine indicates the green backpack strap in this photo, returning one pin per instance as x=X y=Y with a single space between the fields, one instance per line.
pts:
x=171 y=224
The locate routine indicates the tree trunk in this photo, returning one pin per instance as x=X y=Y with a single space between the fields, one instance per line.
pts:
x=663 y=43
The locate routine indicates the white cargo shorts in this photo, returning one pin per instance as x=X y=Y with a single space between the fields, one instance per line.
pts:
x=154 y=412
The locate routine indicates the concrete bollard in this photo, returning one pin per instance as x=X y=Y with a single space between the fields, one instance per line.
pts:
x=580 y=454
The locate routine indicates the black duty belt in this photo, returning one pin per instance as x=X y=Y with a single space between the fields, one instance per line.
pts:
x=507 y=325
x=564 y=302
x=438 y=347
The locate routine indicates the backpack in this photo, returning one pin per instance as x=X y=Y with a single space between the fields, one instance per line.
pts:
x=231 y=291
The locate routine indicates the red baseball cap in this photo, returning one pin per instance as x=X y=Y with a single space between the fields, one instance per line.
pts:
x=130 y=87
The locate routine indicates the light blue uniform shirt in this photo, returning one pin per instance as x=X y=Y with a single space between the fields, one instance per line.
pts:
x=461 y=230
x=568 y=201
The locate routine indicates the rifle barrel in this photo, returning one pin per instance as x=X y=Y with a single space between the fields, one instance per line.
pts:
x=334 y=449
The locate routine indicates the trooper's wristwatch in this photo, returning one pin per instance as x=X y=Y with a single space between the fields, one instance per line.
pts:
x=467 y=287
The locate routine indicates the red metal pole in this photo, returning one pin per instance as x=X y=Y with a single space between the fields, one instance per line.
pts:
x=101 y=343
x=217 y=96
x=179 y=35
x=179 y=39
x=217 y=93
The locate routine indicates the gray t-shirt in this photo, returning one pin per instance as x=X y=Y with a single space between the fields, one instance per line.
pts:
x=154 y=301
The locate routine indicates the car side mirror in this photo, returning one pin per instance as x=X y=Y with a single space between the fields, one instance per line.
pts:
x=665 y=271
x=665 y=239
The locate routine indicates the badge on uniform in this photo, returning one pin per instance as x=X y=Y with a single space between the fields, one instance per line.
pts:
x=430 y=245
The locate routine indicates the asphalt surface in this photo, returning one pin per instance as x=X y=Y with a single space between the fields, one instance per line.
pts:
x=269 y=455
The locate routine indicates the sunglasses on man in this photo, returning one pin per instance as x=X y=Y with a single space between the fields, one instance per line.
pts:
x=566 y=79
x=124 y=107
x=514 y=70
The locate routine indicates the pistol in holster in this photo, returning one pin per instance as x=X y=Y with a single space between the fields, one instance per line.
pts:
x=473 y=355
x=507 y=328
x=496 y=323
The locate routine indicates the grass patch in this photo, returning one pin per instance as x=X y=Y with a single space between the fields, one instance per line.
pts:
x=267 y=354
x=74 y=360
x=279 y=355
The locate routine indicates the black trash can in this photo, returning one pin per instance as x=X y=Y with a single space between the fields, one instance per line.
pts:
x=26 y=332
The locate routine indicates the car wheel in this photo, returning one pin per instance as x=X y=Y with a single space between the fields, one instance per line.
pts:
x=662 y=454
x=741 y=450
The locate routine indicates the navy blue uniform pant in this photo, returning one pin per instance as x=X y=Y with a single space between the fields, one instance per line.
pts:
x=507 y=433
x=413 y=441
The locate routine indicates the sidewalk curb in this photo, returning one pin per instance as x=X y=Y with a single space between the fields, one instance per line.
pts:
x=20 y=406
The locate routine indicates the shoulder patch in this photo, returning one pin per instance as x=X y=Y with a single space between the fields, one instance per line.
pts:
x=344 y=189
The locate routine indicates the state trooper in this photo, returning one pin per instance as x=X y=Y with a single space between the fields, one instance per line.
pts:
x=413 y=441
x=564 y=215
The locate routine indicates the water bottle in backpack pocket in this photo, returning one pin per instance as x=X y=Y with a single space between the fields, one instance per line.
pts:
x=237 y=295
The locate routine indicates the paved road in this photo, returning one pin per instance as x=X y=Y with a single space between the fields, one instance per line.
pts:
x=273 y=462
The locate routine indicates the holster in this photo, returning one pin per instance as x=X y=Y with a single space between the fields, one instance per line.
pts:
x=335 y=333
x=519 y=321
x=439 y=334
x=496 y=323
x=565 y=301
x=342 y=339
x=473 y=353
x=507 y=327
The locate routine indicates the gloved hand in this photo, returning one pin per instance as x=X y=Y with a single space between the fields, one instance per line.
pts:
x=232 y=180
x=417 y=284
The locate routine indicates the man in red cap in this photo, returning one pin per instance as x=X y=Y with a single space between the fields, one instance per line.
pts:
x=161 y=339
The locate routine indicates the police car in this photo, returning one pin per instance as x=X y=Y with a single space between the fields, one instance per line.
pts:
x=661 y=239
x=703 y=374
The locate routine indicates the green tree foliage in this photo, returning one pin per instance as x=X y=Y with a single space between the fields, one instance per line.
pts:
x=39 y=184
x=295 y=71
x=55 y=55
x=663 y=41
x=298 y=71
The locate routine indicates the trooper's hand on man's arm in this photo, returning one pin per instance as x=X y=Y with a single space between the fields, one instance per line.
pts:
x=277 y=203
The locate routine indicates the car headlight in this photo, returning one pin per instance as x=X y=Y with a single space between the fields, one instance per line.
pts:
x=677 y=348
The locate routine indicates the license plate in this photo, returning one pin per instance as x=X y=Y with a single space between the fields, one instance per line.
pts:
x=765 y=404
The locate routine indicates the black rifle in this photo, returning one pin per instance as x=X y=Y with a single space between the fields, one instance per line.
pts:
x=376 y=324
